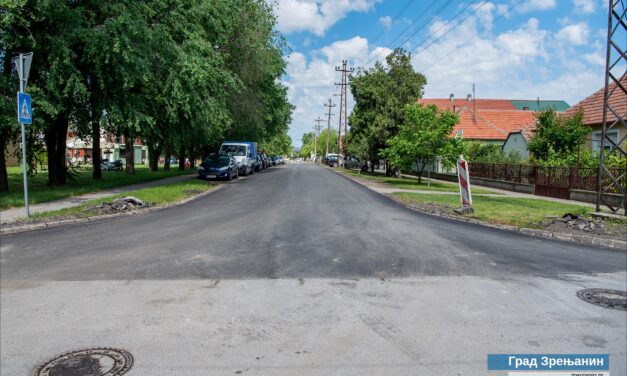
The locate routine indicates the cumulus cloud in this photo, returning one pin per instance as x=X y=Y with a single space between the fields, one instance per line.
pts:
x=531 y=5
x=576 y=34
x=386 y=22
x=585 y=6
x=316 y=16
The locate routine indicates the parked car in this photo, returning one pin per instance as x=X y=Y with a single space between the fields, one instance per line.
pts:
x=266 y=161
x=281 y=160
x=274 y=160
x=218 y=166
x=258 y=163
x=354 y=163
x=334 y=160
x=107 y=165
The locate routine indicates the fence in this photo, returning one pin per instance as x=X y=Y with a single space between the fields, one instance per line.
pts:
x=548 y=181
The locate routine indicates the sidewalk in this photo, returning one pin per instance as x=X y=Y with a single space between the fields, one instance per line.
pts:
x=14 y=214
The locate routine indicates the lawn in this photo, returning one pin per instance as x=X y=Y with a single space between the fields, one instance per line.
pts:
x=160 y=195
x=39 y=191
x=410 y=183
x=520 y=212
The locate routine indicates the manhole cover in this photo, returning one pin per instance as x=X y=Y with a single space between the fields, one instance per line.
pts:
x=91 y=362
x=614 y=299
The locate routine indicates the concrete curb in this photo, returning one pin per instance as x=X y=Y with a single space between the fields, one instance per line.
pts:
x=581 y=239
x=39 y=226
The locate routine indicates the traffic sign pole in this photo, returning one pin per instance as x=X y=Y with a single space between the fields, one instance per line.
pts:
x=22 y=75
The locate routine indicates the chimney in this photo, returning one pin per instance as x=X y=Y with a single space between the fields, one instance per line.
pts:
x=526 y=108
x=469 y=97
x=452 y=98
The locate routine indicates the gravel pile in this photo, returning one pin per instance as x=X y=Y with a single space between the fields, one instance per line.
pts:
x=576 y=223
x=118 y=205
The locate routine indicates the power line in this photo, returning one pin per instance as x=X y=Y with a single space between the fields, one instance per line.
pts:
x=343 y=84
x=403 y=10
x=406 y=28
x=451 y=29
x=330 y=106
x=471 y=38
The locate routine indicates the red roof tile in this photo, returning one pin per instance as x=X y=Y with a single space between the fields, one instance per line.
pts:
x=494 y=124
x=482 y=104
x=593 y=105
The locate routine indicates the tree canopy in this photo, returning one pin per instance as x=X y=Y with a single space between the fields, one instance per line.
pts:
x=182 y=75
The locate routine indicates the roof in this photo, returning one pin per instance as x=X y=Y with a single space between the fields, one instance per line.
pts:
x=532 y=105
x=592 y=106
x=481 y=104
x=494 y=125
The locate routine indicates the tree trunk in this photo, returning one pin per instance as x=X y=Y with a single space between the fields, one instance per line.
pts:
x=56 y=137
x=4 y=177
x=153 y=157
x=192 y=158
x=95 y=151
x=130 y=154
x=182 y=158
x=168 y=153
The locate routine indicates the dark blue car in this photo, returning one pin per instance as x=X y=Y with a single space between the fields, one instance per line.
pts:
x=218 y=166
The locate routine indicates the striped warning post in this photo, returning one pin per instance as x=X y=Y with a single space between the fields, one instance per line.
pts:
x=464 y=182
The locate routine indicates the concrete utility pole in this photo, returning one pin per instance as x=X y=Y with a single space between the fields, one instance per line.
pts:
x=343 y=84
x=317 y=128
x=330 y=106
x=608 y=180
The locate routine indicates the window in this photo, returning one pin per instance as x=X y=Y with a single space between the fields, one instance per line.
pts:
x=596 y=139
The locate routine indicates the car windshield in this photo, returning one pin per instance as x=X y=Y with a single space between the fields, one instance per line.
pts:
x=237 y=150
x=217 y=159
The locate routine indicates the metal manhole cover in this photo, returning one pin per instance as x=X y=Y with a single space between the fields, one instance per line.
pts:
x=101 y=361
x=614 y=299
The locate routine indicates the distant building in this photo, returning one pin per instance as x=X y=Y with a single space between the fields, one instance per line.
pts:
x=592 y=108
x=486 y=120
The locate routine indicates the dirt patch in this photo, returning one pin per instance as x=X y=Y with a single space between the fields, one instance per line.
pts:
x=192 y=192
x=118 y=205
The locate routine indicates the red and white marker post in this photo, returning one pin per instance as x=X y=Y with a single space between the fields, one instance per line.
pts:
x=465 y=195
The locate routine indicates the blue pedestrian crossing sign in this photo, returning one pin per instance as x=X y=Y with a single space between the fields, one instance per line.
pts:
x=24 y=110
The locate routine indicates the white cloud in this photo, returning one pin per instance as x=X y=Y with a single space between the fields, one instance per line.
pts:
x=532 y=5
x=576 y=34
x=585 y=6
x=316 y=16
x=386 y=22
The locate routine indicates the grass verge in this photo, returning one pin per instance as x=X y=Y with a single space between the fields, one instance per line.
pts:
x=520 y=212
x=161 y=195
x=39 y=191
x=409 y=183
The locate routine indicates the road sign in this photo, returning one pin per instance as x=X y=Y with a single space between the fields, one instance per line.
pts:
x=24 y=110
x=22 y=64
x=464 y=186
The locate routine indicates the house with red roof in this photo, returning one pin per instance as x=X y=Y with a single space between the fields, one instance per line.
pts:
x=592 y=108
x=486 y=120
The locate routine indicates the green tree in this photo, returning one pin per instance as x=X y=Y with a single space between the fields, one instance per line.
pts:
x=557 y=134
x=424 y=138
x=381 y=94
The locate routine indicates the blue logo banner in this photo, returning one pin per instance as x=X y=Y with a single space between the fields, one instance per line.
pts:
x=549 y=362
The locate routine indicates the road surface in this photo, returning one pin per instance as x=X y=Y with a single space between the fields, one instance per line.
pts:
x=298 y=270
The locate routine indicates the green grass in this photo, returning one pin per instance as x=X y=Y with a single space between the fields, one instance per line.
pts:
x=520 y=212
x=39 y=191
x=409 y=183
x=160 y=195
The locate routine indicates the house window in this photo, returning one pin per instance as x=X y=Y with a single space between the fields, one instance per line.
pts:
x=596 y=139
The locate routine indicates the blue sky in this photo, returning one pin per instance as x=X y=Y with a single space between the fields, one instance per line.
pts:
x=539 y=48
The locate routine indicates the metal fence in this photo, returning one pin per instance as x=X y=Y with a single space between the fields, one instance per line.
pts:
x=550 y=181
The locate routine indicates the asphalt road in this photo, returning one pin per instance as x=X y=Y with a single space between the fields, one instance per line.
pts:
x=299 y=270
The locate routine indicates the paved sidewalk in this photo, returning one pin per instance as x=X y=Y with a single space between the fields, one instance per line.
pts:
x=396 y=190
x=14 y=214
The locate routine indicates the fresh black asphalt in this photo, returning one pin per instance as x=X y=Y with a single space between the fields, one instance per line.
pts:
x=294 y=221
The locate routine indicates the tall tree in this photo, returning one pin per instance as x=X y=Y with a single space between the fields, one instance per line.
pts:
x=381 y=94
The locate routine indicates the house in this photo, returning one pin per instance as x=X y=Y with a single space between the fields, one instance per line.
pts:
x=486 y=120
x=592 y=108
x=111 y=147
x=518 y=141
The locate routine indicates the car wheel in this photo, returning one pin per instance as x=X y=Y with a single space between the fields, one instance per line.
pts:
x=252 y=170
x=229 y=177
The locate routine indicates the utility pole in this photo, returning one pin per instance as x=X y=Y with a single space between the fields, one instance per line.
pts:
x=609 y=181
x=330 y=106
x=317 y=129
x=343 y=84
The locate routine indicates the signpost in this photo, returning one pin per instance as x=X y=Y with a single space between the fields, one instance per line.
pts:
x=464 y=187
x=24 y=113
